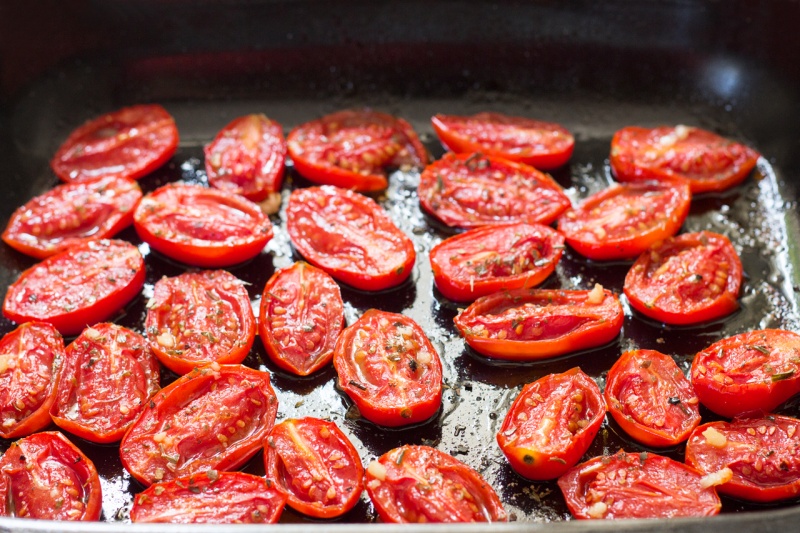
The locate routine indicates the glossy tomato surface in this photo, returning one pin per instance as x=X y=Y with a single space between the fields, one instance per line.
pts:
x=481 y=261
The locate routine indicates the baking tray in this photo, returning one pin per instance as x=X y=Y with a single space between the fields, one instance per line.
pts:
x=724 y=66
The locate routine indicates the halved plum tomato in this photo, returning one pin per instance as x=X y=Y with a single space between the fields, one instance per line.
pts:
x=494 y=258
x=472 y=190
x=749 y=373
x=247 y=157
x=128 y=143
x=624 y=220
x=198 y=318
x=109 y=373
x=210 y=497
x=353 y=149
x=543 y=145
x=651 y=399
x=687 y=279
x=637 y=485
x=302 y=315
x=81 y=286
x=71 y=214
x=420 y=484
x=759 y=453
x=30 y=362
x=389 y=368
x=532 y=324
x=709 y=162
x=350 y=237
x=200 y=226
x=215 y=417
x=45 y=476
x=551 y=424
x=316 y=465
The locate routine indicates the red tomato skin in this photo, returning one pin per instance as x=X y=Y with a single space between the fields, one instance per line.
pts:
x=577 y=324
x=204 y=227
x=634 y=371
x=483 y=257
x=561 y=452
x=24 y=352
x=139 y=139
x=47 y=477
x=294 y=299
x=349 y=221
x=400 y=495
x=584 y=230
x=544 y=145
x=72 y=213
x=55 y=290
x=210 y=498
x=410 y=396
x=296 y=449
x=159 y=446
x=730 y=378
x=113 y=360
x=247 y=157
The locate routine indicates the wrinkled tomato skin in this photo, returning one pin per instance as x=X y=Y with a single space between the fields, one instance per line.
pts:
x=749 y=373
x=108 y=375
x=416 y=484
x=316 y=465
x=301 y=316
x=650 y=398
x=31 y=357
x=763 y=454
x=45 y=476
x=214 y=417
x=544 y=145
x=128 y=143
x=533 y=324
x=482 y=261
x=551 y=424
x=210 y=498
x=81 y=286
x=389 y=369
x=623 y=221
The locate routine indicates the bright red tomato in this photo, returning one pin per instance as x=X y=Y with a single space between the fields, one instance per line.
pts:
x=761 y=454
x=494 y=258
x=390 y=370
x=210 y=497
x=419 y=484
x=353 y=149
x=752 y=372
x=198 y=318
x=72 y=214
x=651 y=399
x=214 y=417
x=709 y=162
x=551 y=424
x=637 y=485
x=350 y=237
x=544 y=145
x=302 y=315
x=30 y=361
x=531 y=324
x=688 y=279
x=623 y=221
x=109 y=373
x=472 y=190
x=83 y=285
x=128 y=143
x=200 y=226
x=316 y=465
x=47 y=477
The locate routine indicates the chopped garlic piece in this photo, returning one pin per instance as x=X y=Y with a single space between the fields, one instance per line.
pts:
x=377 y=470
x=716 y=478
x=597 y=295
x=597 y=510
x=715 y=438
